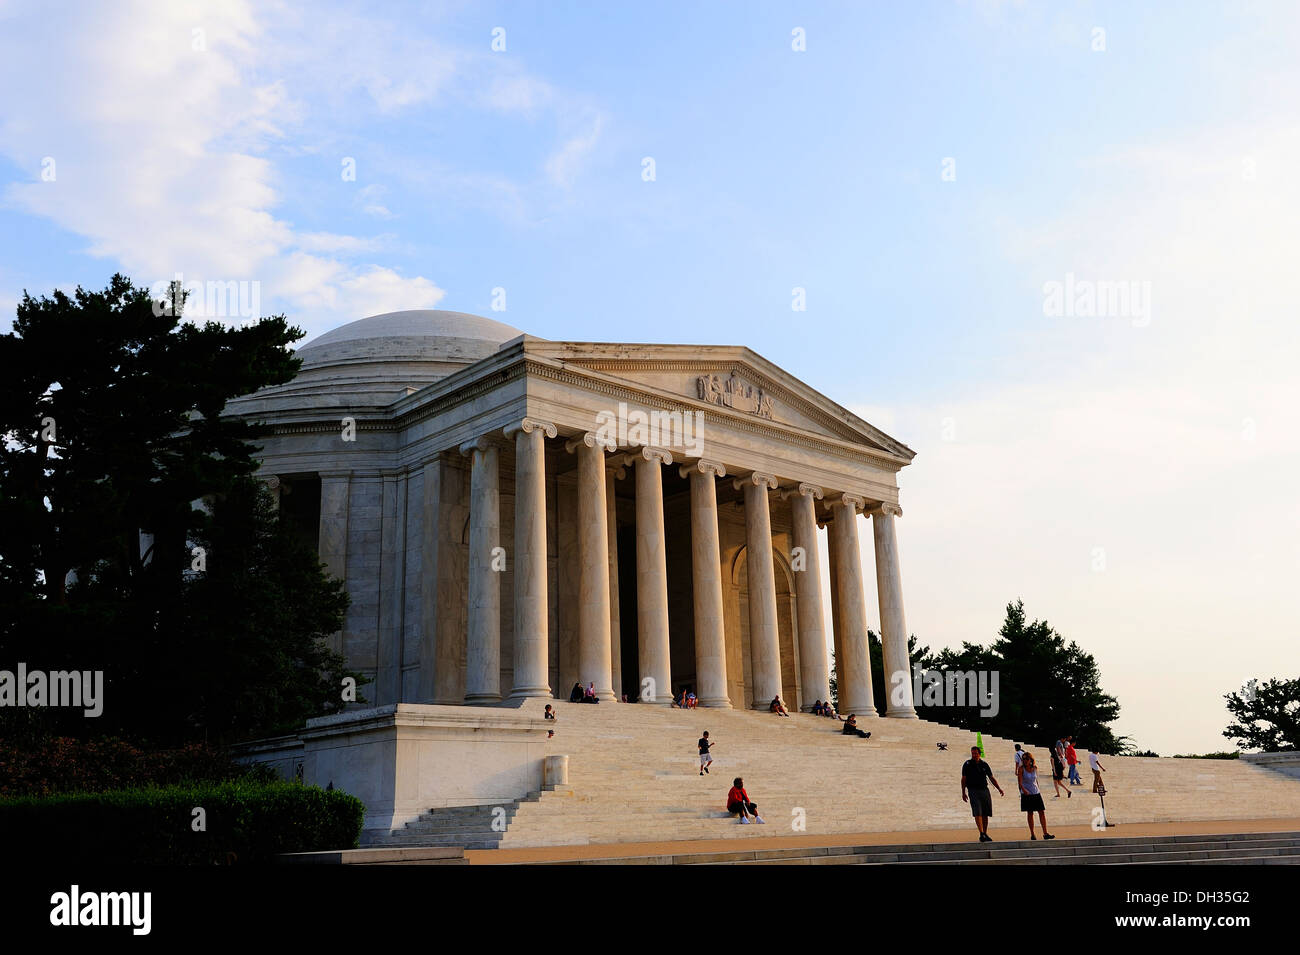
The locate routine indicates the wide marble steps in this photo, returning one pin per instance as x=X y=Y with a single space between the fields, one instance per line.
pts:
x=1272 y=848
x=634 y=777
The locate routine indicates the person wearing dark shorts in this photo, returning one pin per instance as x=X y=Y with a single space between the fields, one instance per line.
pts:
x=1058 y=777
x=975 y=778
x=1031 y=800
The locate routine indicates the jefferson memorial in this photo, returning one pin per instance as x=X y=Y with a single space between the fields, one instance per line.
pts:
x=512 y=516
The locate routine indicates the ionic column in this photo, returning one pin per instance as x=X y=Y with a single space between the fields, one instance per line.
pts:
x=483 y=631
x=594 y=663
x=652 y=575
x=706 y=563
x=764 y=638
x=532 y=662
x=853 y=665
x=893 y=625
x=814 y=669
x=615 y=624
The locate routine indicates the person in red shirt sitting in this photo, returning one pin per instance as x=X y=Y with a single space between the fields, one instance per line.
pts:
x=738 y=802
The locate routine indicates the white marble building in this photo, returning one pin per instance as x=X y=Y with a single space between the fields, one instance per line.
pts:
x=513 y=515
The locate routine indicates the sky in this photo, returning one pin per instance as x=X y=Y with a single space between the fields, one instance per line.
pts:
x=960 y=190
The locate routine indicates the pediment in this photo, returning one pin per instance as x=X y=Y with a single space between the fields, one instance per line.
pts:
x=732 y=379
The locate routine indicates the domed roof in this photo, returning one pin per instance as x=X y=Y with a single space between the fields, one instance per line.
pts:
x=376 y=360
x=416 y=323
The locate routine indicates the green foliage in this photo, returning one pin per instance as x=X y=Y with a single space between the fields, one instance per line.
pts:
x=246 y=822
x=1233 y=755
x=255 y=660
x=1267 y=716
x=112 y=419
x=1046 y=687
x=47 y=766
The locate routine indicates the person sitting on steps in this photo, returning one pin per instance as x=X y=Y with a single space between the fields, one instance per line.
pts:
x=738 y=803
x=577 y=694
x=851 y=727
x=777 y=707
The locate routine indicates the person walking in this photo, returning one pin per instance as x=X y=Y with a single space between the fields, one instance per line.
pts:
x=1058 y=774
x=1031 y=800
x=1018 y=755
x=1072 y=760
x=1097 y=769
x=975 y=778
x=705 y=745
x=738 y=802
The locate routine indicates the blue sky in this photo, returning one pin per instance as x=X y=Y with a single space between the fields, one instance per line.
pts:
x=1164 y=441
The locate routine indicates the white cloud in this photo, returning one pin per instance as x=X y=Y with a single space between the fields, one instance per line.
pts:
x=161 y=150
x=564 y=165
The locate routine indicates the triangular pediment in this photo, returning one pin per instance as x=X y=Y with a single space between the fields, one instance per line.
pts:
x=733 y=380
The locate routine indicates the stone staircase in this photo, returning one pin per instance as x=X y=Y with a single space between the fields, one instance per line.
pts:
x=634 y=777
x=1273 y=848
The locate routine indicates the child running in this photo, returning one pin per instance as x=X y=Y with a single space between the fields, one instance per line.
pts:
x=706 y=760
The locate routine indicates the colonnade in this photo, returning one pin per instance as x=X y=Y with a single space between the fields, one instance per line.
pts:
x=597 y=611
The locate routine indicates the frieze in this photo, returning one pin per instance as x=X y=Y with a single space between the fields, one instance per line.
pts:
x=732 y=391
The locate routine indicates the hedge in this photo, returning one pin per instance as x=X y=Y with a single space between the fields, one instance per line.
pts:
x=59 y=764
x=246 y=822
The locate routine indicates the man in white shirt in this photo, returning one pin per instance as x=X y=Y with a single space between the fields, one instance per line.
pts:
x=1097 y=769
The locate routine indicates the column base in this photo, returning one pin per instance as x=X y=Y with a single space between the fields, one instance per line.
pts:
x=902 y=713
x=530 y=692
x=482 y=699
x=861 y=712
x=719 y=704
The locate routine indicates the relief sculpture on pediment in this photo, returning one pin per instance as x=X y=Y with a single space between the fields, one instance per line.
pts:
x=733 y=392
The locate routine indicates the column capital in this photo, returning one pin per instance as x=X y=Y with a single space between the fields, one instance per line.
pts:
x=884 y=509
x=592 y=440
x=803 y=490
x=528 y=426
x=703 y=467
x=657 y=455
x=851 y=500
x=481 y=443
x=756 y=478
x=272 y=481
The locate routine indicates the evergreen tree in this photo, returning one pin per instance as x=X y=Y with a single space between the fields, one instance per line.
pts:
x=112 y=422
x=1267 y=716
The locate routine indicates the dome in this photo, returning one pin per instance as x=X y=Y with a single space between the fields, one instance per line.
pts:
x=421 y=334
x=376 y=360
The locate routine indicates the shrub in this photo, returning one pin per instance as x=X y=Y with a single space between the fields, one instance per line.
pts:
x=58 y=764
x=246 y=822
x=1233 y=755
